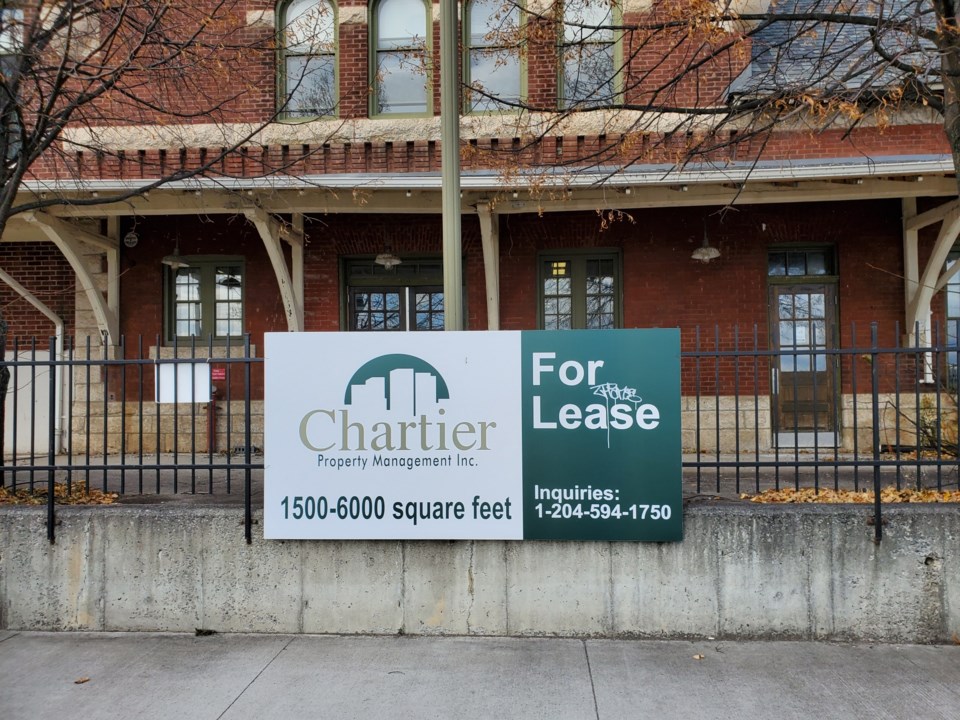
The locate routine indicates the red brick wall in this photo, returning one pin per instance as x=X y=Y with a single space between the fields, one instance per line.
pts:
x=255 y=101
x=662 y=285
x=42 y=270
x=333 y=236
x=141 y=281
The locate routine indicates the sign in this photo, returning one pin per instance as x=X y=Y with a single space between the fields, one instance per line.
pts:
x=218 y=372
x=183 y=382
x=473 y=435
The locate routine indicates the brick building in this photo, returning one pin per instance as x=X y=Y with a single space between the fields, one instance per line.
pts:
x=329 y=220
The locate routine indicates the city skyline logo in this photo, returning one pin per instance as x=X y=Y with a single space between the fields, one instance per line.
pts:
x=398 y=384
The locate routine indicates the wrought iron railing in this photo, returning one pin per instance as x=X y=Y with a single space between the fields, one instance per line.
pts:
x=187 y=419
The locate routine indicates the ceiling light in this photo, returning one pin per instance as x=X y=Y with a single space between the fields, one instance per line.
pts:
x=175 y=260
x=706 y=252
x=388 y=260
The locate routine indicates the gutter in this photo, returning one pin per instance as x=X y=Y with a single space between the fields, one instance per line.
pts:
x=636 y=176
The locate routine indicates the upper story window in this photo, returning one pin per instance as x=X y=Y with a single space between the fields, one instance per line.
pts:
x=492 y=60
x=580 y=290
x=11 y=39
x=588 y=68
x=400 y=48
x=309 y=58
x=204 y=298
x=11 y=44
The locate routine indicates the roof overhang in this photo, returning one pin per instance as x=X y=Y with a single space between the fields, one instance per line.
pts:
x=548 y=190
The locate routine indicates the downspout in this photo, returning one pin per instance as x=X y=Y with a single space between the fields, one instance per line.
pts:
x=58 y=351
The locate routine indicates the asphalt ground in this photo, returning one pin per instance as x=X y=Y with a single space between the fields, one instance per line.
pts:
x=132 y=675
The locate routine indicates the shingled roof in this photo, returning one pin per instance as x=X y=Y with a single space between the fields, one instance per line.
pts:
x=794 y=55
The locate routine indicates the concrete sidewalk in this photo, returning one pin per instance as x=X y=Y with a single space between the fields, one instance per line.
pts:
x=278 y=677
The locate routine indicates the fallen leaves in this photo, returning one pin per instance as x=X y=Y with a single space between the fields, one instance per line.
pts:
x=829 y=496
x=81 y=681
x=77 y=494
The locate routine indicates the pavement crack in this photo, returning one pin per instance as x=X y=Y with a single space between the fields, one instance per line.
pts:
x=593 y=687
x=255 y=678
x=9 y=637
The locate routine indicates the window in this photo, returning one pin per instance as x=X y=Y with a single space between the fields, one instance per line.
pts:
x=205 y=298
x=11 y=31
x=11 y=41
x=588 y=65
x=580 y=291
x=308 y=58
x=792 y=263
x=492 y=55
x=406 y=297
x=400 y=64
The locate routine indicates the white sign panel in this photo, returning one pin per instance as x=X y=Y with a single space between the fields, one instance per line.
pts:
x=182 y=383
x=421 y=440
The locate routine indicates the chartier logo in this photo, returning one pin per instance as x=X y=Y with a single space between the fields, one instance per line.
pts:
x=403 y=382
x=393 y=402
x=622 y=407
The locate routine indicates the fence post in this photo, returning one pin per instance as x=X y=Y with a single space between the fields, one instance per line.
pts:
x=247 y=510
x=875 y=399
x=51 y=449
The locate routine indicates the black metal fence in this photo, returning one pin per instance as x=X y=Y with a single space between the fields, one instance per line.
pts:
x=186 y=420
x=133 y=420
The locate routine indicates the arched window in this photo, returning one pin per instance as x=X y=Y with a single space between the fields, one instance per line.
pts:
x=588 y=68
x=401 y=48
x=493 y=56
x=309 y=58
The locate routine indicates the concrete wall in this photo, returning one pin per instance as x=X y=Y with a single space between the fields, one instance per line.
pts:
x=742 y=571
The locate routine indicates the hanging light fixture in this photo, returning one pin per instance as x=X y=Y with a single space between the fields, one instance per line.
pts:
x=387 y=259
x=175 y=260
x=706 y=252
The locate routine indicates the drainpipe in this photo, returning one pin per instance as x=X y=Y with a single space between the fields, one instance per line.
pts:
x=58 y=369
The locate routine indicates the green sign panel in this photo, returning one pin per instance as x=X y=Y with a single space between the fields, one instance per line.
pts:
x=601 y=435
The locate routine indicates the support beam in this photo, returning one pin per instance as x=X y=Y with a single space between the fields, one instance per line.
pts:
x=270 y=232
x=918 y=306
x=917 y=222
x=911 y=263
x=68 y=238
x=296 y=240
x=59 y=333
x=113 y=266
x=68 y=229
x=490 y=241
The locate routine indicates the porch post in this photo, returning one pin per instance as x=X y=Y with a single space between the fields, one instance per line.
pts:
x=911 y=267
x=269 y=229
x=933 y=278
x=490 y=241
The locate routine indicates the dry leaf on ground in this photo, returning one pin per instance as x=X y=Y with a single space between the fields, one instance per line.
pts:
x=827 y=495
x=77 y=495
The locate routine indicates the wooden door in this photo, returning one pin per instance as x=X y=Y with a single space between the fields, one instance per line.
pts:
x=803 y=324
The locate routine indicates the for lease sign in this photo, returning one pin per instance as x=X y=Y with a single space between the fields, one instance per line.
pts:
x=473 y=435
